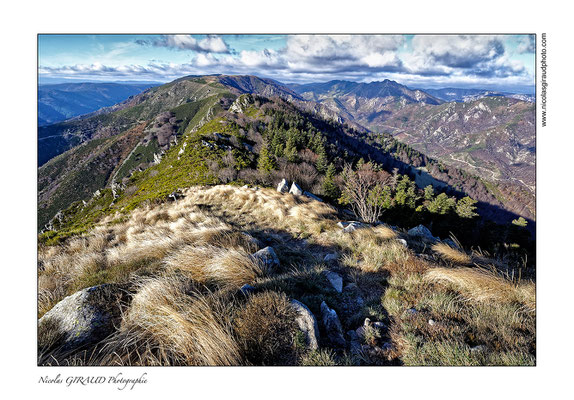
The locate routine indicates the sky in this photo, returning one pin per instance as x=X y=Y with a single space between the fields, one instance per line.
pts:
x=495 y=62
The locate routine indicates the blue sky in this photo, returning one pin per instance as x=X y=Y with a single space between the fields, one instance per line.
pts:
x=504 y=62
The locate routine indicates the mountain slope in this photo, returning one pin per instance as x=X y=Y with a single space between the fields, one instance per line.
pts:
x=462 y=95
x=110 y=144
x=67 y=100
x=493 y=137
x=346 y=91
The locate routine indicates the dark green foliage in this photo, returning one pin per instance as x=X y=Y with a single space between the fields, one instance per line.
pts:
x=465 y=208
x=330 y=188
x=429 y=192
x=441 y=204
x=406 y=193
x=265 y=163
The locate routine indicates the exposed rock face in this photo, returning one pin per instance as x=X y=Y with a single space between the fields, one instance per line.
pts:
x=312 y=196
x=421 y=231
x=296 y=190
x=267 y=257
x=335 y=280
x=283 y=186
x=87 y=316
x=332 y=326
x=330 y=257
x=355 y=345
x=353 y=226
x=247 y=289
x=307 y=324
x=403 y=242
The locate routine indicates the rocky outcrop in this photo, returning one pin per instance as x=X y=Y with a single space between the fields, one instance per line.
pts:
x=335 y=280
x=307 y=324
x=423 y=232
x=350 y=226
x=295 y=189
x=312 y=196
x=267 y=257
x=332 y=325
x=86 y=317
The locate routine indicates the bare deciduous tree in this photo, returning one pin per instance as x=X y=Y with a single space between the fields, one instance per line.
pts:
x=363 y=190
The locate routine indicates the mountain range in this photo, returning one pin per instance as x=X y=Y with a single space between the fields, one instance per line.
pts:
x=179 y=134
x=58 y=102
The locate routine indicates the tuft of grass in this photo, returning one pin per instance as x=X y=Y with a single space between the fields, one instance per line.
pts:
x=230 y=268
x=266 y=329
x=319 y=358
x=169 y=322
x=450 y=254
x=483 y=285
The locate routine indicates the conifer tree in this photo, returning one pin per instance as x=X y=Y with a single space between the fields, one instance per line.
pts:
x=265 y=162
x=429 y=192
x=330 y=189
x=465 y=207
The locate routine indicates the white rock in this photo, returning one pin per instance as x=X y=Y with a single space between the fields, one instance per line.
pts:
x=283 y=186
x=295 y=189
x=267 y=257
x=421 y=231
x=333 y=326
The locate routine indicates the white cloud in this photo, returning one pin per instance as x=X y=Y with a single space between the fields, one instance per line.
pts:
x=209 y=44
x=429 y=60
x=527 y=44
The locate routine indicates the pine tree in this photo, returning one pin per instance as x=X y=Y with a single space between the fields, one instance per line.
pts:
x=429 y=192
x=291 y=149
x=465 y=207
x=406 y=192
x=322 y=160
x=441 y=204
x=265 y=162
x=520 y=222
x=330 y=189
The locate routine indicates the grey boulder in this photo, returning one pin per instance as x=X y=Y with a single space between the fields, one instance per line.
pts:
x=332 y=325
x=85 y=317
x=312 y=196
x=335 y=280
x=330 y=257
x=307 y=324
x=421 y=231
x=267 y=257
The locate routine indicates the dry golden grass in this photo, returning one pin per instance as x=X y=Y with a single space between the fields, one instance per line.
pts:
x=450 y=254
x=170 y=323
x=483 y=285
x=229 y=268
x=375 y=249
x=175 y=252
x=175 y=233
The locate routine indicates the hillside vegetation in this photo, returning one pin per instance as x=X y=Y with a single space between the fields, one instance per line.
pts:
x=183 y=266
x=221 y=227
